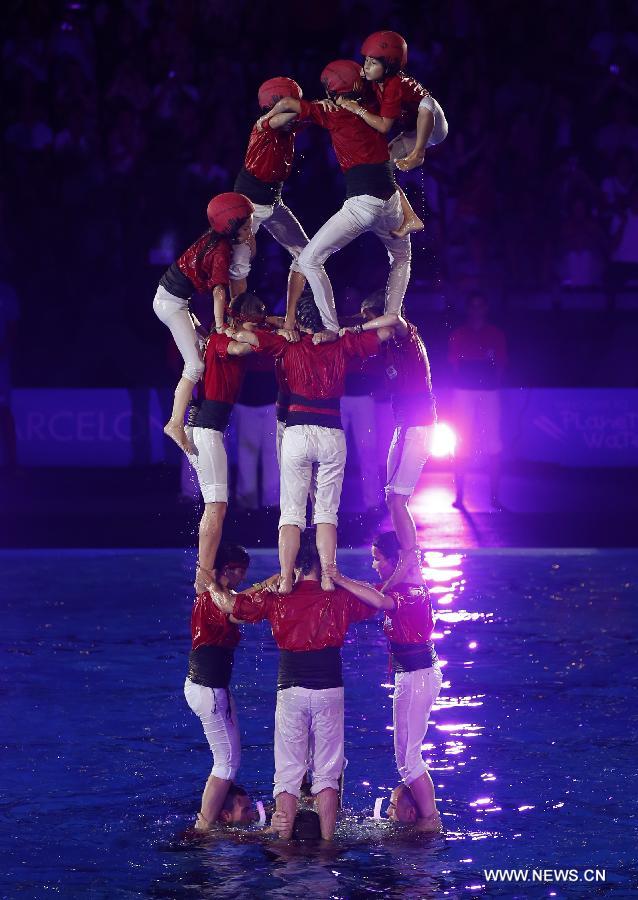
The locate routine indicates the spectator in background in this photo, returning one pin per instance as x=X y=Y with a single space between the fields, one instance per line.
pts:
x=582 y=247
x=621 y=131
x=478 y=356
x=624 y=255
x=256 y=424
x=9 y=312
x=359 y=424
x=617 y=187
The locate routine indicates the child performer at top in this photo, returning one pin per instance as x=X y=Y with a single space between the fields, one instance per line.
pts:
x=204 y=267
x=404 y=101
x=268 y=163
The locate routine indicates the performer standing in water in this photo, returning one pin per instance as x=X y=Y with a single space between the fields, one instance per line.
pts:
x=373 y=202
x=408 y=626
x=207 y=692
x=400 y=99
x=309 y=626
x=268 y=163
x=203 y=268
x=407 y=370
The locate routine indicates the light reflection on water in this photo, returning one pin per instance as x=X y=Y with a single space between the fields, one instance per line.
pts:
x=95 y=714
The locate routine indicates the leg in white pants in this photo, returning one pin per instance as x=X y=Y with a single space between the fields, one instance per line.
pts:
x=282 y=224
x=211 y=464
x=218 y=714
x=358 y=414
x=306 y=717
x=413 y=699
x=173 y=312
x=356 y=216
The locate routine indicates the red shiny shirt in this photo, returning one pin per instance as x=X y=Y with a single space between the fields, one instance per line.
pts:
x=308 y=618
x=411 y=621
x=205 y=263
x=210 y=627
x=270 y=153
x=354 y=142
x=399 y=99
x=223 y=374
x=317 y=371
x=406 y=364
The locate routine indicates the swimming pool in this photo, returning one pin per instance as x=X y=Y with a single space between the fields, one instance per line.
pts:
x=532 y=745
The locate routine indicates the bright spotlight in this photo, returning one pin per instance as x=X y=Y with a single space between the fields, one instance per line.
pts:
x=443 y=440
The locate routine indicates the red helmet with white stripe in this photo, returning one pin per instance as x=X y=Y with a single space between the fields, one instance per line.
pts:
x=227 y=211
x=276 y=89
x=343 y=76
x=389 y=47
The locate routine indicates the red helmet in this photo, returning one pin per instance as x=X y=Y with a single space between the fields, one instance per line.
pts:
x=226 y=211
x=388 y=46
x=343 y=76
x=275 y=88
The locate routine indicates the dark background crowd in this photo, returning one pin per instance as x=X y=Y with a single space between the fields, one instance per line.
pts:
x=120 y=120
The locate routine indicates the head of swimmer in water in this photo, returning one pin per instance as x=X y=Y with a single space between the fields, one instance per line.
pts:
x=238 y=808
x=385 y=554
x=231 y=564
x=402 y=807
x=247 y=310
x=307 y=826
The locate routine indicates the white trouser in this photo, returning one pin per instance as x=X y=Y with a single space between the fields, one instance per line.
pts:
x=173 y=312
x=413 y=699
x=403 y=144
x=477 y=415
x=210 y=464
x=256 y=439
x=304 y=447
x=281 y=427
x=218 y=713
x=357 y=413
x=279 y=221
x=408 y=453
x=356 y=216
x=308 y=726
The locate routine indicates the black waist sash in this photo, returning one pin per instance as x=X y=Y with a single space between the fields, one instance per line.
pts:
x=283 y=402
x=375 y=179
x=211 y=666
x=315 y=669
x=265 y=193
x=331 y=418
x=410 y=657
x=414 y=409
x=213 y=414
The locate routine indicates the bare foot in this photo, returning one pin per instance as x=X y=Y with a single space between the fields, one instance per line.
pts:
x=177 y=433
x=327 y=584
x=412 y=161
x=285 y=584
x=408 y=225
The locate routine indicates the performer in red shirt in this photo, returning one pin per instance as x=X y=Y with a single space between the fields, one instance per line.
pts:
x=309 y=626
x=478 y=355
x=268 y=163
x=407 y=371
x=225 y=366
x=313 y=437
x=400 y=99
x=204 y=267
x=408 y=626
x=207 y=692
x=373 y=202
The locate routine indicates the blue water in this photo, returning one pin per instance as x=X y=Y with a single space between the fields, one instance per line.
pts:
x=532 y=744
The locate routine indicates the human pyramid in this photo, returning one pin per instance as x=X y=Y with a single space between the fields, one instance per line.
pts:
x=309 y=603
